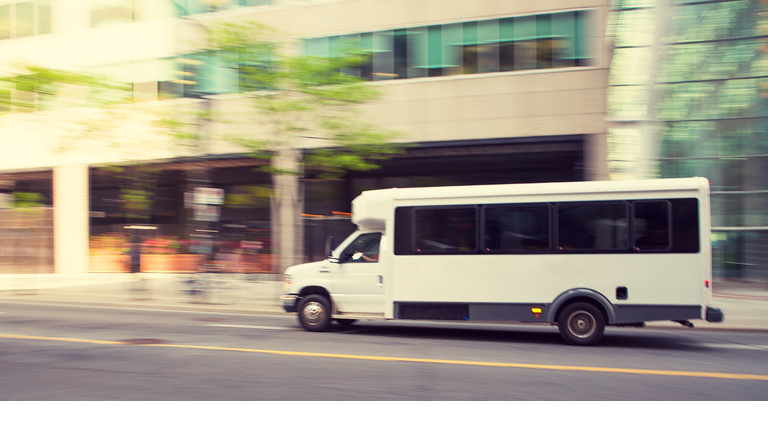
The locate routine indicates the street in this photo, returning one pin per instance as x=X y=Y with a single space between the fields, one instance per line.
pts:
x=83 y=353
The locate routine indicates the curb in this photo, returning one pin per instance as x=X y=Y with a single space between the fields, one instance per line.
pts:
x=173 y=308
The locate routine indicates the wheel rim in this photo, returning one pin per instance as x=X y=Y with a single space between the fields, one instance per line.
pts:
x=313 y=313
x=581 y=324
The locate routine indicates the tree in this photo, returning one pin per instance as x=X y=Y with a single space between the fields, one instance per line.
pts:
x=309 y=112
x=32 y=87
x=302 y=115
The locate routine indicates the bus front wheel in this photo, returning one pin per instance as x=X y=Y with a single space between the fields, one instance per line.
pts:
x=315 y=313
x=581 y=324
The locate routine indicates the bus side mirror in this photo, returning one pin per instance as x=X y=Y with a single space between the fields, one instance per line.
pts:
x=330 y=245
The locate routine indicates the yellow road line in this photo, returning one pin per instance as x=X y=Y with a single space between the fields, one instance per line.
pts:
x=11 y=336
x=422 y=360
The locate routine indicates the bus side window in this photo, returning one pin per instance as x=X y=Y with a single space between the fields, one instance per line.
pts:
x=516 y=228
x=685 y=225
x=652 y=225
x=592 y=226
x=447 y=229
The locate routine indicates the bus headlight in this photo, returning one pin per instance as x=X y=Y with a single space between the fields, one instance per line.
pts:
x=287 y=285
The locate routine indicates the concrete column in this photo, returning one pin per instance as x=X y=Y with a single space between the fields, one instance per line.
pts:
x=70 y=219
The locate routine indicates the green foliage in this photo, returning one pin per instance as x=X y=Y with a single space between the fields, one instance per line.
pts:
x=182 y=125
x=27 y=200
x=58 y=88
x=248 y=197
x=298 y=97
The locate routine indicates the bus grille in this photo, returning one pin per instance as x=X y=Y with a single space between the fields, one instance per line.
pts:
x=434 y=311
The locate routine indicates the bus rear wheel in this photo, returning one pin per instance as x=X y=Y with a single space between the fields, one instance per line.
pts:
x=581 y=324
x=315 y=313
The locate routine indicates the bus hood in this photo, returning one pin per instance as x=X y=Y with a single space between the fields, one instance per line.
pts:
x=308 y=268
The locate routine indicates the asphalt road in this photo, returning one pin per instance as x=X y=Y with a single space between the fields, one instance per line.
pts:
x=56 y=353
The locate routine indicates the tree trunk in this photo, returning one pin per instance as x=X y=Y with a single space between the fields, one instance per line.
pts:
x=287 y=204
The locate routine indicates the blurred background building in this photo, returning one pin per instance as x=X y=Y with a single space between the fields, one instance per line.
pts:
x=485 y=91
x=687 y=97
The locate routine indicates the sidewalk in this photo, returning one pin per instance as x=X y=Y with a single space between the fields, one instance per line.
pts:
x=257 y=293
x=745 y=304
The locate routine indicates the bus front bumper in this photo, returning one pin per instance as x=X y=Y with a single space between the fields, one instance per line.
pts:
x=289 y=302
x=715 y=314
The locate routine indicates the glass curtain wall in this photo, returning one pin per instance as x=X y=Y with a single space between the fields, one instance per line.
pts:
x=498 y=45
x=191 y=7
x=26 y=18
x=688 y=88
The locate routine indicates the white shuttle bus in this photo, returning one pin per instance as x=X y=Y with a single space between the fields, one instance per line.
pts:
x=578 y=255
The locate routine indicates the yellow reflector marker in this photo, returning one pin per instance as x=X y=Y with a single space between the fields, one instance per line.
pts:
x=536 y=310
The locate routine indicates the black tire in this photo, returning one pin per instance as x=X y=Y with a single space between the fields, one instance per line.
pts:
x=581 y=324
x=346 y=321
x=315 y=313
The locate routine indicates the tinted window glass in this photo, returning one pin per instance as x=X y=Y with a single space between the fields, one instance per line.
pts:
x=592 y=226
x=517 y=228
x=685 y=225
x=651 y=225
x=403 y=231
x=445 y=229
x=363 y=249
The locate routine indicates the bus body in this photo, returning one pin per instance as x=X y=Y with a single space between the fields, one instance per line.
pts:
x=580 y=255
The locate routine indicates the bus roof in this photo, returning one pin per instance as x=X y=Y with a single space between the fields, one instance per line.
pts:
x=694 y=183
x=370 y=207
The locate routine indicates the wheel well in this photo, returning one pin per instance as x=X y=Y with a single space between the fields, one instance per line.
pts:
x=589 y=300
x=314 y=290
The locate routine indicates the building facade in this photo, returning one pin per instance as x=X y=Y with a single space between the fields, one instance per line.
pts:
x=485 y=92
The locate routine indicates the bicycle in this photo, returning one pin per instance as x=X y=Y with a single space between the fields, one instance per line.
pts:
x=209 y=286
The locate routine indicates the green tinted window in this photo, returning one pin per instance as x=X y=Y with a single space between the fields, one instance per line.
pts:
x=25 y=19
x=5 y=22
